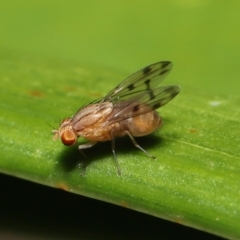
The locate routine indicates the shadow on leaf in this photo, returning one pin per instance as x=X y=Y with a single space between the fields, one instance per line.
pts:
x=71 y=157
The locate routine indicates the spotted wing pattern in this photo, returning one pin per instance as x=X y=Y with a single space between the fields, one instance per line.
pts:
x=145 y=79
x=138 y=94
x=146 y=102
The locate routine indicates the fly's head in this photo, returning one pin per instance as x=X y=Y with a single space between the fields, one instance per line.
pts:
x=66 y=133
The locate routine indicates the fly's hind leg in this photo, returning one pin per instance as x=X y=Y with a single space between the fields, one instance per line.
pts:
x=138 y=146
x=114 y=154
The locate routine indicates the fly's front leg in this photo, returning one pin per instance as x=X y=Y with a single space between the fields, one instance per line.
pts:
x=114 y=154
x=138 y=146
x=84 y=146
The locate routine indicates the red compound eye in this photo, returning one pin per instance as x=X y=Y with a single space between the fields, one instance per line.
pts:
x=68 y=138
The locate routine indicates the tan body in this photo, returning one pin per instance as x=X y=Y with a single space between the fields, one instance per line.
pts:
x=92 y=123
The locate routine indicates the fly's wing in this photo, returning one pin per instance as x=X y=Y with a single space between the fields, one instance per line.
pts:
x=138 y=94
x=145 y=79
x=142 y=81
x=146 y=101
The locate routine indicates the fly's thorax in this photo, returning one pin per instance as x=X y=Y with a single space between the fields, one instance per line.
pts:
x=91 y=116
x=144 y=124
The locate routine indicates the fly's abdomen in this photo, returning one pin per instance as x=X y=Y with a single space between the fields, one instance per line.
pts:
x=143 y=124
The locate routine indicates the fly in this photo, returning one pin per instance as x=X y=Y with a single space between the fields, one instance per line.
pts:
x=128 y=109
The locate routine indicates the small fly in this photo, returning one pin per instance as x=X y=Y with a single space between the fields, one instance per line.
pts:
x=128 y=109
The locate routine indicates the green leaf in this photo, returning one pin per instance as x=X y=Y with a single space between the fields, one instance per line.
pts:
x=193 y=181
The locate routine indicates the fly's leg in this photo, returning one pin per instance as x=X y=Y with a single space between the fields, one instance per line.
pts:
x=84 y=146
x=114 y=154
x=138 y=146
